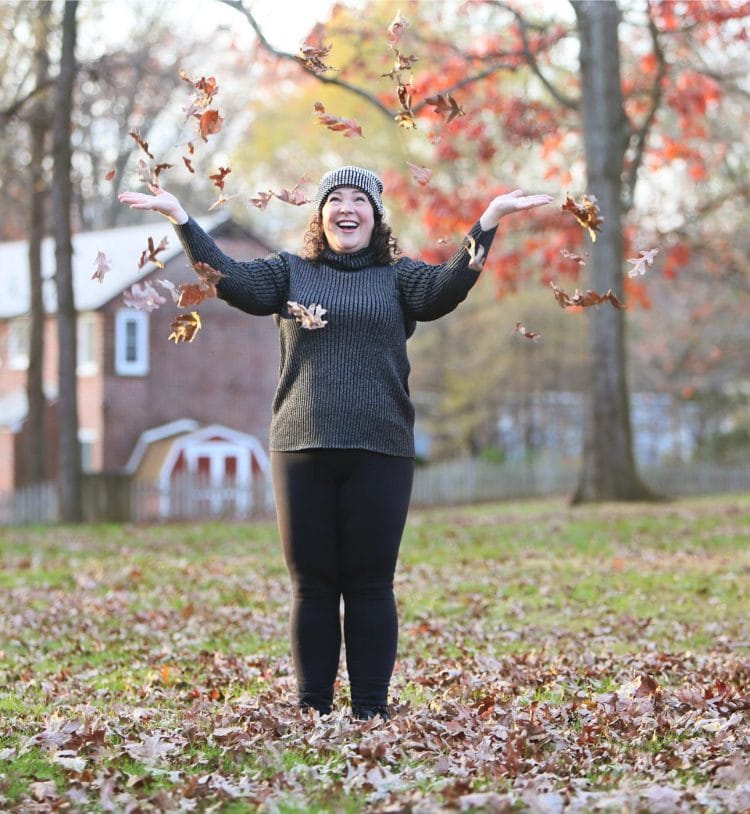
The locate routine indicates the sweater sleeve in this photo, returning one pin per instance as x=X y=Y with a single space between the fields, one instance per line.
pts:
x=255 y=286
x=429 y=292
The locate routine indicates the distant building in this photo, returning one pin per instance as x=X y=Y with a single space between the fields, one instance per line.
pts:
x=131 y=379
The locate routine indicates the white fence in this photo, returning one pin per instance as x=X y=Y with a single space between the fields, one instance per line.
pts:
x=451 y=483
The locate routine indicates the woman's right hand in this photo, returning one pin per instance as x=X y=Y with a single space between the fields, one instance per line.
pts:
x=161 y=201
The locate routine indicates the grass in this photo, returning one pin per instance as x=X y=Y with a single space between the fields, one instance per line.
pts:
x=164 y=651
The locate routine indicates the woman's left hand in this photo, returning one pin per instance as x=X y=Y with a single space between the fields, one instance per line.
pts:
x=514 y=201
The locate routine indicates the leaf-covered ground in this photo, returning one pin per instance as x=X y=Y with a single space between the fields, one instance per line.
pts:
x=551 y=659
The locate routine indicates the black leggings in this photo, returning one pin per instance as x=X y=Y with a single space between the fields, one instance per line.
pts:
x=341 y=513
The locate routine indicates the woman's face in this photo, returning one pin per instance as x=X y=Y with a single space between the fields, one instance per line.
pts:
x=348 y=220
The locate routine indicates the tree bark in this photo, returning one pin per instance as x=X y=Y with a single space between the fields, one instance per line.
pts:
x=69 y=455
x=608 y=469
x=39 y=127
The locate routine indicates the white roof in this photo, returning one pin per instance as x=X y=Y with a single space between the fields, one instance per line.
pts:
x=123 y=248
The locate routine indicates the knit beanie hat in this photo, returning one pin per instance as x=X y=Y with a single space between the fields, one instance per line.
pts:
x=350 y=176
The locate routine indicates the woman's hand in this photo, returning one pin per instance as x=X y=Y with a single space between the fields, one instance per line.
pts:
x=161 y=201
x=503 y=205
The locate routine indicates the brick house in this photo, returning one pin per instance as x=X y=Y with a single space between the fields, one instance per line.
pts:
x=131 y=379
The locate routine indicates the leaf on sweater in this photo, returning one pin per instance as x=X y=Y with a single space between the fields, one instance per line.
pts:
x=348 y=127
x=308 y=317
x=520 y=329
x=185 y=328
x=586 y=212
x=646 y=258
x=312 y=58
x=477 y=254
x=101 y=266
x=143 y=296
x=584 y=299
x=149 y=254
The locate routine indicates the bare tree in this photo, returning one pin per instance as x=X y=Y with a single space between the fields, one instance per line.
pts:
x=69 y=455
x=39 y=124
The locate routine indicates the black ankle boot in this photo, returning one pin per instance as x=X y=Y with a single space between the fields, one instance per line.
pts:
x=368 y=713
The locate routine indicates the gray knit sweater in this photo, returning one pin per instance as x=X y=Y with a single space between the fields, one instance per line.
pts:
x=344 y=385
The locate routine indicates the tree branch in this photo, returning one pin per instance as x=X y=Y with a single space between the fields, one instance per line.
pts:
x=523 y=26
x=238 y=5
x=13 y=109
x=641 y=135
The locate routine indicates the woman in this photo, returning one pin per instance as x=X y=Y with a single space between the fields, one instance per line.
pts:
x=342 y=443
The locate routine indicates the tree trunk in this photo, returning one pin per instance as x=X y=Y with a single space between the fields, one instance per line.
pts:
x=39 y=127
x=69 y=455
x=608 y=471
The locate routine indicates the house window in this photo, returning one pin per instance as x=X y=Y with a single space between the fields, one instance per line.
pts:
x=87 y=345
x=18 y=343
x=131 y=343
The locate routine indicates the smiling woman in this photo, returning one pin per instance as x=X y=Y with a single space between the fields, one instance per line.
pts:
x=342 y=432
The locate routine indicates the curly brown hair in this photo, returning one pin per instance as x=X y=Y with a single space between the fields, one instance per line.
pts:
x=383 y=244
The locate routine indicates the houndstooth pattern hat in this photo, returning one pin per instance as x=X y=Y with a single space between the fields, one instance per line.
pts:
x=350 y=176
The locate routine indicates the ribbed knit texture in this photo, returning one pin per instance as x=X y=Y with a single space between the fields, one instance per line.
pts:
x=344 y=385
x=350 y=176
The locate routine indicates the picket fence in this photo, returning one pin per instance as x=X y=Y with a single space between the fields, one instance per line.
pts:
x=117 y=498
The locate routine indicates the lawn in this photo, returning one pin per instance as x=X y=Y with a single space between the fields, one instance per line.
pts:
x=551 y=659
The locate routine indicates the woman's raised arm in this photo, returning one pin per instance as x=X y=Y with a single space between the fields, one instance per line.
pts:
x=160 y=201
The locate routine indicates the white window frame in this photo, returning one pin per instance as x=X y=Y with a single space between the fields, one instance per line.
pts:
x=86 y=343
x=140 y=365
x=19 y=338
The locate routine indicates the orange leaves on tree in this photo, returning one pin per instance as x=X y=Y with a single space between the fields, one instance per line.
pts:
x=149 y=254
x=185 y=328
x=312 y=58
x=586 y=212
x=445 y=106
x=584 y=299
x=347 y=127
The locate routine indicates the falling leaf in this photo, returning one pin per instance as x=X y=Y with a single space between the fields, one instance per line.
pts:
x=348 y=127
x=421 y=175
x=447 y=106
x=218 y=177
x=143 y=296
x=208 y=274
x=397 y=28
x=261 y=201
x=221 y=200
x=295 y=196
x=149 y=254
x=520 y=329
x=185 y=327
x=169 y=286
x=312 y=58
x=646 y=258
x=209 y=123
x=196 y=293
x=101 y=266
x=401 y=63
x=476 y=254
x=189 y=164
x=586 y=213
x=584 y=299
x=110 y=175
x=580 y=259
x=205 y=89
x=136 y=136
x=308 y=317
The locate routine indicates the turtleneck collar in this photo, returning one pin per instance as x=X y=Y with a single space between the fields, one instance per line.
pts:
x=353 y=261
